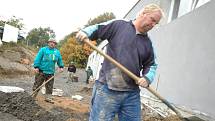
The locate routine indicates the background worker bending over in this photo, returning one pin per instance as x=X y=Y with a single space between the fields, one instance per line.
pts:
x=71 y=72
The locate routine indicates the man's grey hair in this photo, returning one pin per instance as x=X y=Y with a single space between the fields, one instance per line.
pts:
x=150 y=8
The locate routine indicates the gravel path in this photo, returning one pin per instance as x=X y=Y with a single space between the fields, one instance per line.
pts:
x=60 y=82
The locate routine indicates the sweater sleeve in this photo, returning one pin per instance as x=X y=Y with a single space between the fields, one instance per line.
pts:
x=149 y=70
x=38 y=58
x=151 y=73
x=100 y=31
x=60 y=61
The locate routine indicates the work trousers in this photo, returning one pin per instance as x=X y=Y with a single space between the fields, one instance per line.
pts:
x=87 y=80
x=40 y=78
x=71 y=76
x=106 y=103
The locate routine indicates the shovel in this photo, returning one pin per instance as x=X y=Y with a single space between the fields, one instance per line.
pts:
x=135 y=78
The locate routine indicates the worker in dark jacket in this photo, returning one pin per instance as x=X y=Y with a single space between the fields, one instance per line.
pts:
x=129 y=44
x=71 y=72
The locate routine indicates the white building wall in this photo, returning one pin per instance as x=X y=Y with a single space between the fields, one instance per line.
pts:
x=95 y=60
x=186 y=58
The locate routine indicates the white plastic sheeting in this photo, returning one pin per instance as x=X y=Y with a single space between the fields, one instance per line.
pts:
x=56 y=92
x=77 y=97
x=10 y=33
x=10 y=89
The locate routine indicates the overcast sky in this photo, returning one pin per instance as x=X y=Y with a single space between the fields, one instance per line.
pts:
x=63 y=16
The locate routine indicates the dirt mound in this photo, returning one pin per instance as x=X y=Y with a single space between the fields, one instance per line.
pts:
x=24 y=107
x=15 y=60
x=15 y=52
x=77 y=110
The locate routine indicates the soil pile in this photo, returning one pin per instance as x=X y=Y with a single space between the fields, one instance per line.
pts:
x=23 y=106
x=15 y=60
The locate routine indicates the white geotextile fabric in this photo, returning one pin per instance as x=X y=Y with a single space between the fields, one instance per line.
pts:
x=57 y=92
x=10 y=89
x=78 y=97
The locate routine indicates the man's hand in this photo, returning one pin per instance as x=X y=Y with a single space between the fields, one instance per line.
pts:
x=60 y=70
x=36 y=70
x=143 y=82
x=80 y=36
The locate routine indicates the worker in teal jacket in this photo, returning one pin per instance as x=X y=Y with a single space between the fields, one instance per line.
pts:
x=44 y=67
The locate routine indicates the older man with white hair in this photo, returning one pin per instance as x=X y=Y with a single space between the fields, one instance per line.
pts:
x=129 y=44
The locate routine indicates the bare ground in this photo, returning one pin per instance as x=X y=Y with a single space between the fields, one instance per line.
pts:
x=21 y=106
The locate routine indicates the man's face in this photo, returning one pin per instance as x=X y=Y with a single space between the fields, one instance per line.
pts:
x=52 y=44
x=149 y=20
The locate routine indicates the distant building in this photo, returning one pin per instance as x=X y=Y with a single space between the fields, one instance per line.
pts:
x=95 y=60
x=9 y=33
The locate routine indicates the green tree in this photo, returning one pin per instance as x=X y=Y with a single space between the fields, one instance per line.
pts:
x=101 y=18
x=66 y=38
x=39 y=36
x=13 y=21
x=72 y=51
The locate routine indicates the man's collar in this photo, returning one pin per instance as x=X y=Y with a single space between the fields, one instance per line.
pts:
x=137 y=32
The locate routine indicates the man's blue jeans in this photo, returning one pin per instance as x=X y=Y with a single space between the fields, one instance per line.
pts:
x=106 y=103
